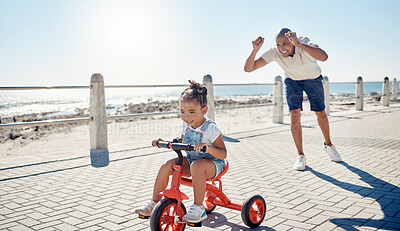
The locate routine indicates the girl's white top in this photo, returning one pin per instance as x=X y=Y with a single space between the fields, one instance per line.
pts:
x=209 y=135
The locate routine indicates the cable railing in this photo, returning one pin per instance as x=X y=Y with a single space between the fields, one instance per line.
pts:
x=128 y=116
x=99 y=154
x=117 y=117
x=352 y=96
x=127 y=86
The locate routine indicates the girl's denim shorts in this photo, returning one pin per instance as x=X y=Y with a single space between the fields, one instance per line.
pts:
x=219 y=164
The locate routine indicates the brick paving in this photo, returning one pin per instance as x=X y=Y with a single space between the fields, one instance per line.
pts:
x=361 y=193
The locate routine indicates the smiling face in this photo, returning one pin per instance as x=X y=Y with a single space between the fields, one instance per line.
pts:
x=192 y=112
x=285 y=47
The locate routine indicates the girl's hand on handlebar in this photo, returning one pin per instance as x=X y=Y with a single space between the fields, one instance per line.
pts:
x=197 y=147
x=155 y=142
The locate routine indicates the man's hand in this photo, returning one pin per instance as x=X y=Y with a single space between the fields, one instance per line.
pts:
x=292 y=37
x=258 y=43
x=250 y=64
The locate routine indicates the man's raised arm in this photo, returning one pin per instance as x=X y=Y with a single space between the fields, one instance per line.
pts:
x=315 y=52
x=250 y=64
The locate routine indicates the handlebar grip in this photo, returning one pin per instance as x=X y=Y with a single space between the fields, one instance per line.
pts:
x=162 y=144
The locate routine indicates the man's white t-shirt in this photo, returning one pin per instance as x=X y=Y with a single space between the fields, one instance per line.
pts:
x=209 y=135
x=301 y=66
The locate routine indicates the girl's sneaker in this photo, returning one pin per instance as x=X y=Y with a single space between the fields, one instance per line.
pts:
x=146 y=209
x=300 y=163
x=196 y=214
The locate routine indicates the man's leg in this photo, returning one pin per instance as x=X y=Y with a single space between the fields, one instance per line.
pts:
x=323 y=123
x=294 y=96
x=295 y=118
x=315 y=92
x=328 y=146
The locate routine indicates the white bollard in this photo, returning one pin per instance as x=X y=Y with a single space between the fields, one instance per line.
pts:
x=394 y=89
x=277 y=113
x=359 y=94
x=325 y=82
x=385 y=92
x=207 y=82
x=99 y=155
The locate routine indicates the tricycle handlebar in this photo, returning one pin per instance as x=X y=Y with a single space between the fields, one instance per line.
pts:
x=178 y=146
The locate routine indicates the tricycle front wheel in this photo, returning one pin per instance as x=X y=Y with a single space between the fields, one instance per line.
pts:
x=253 y=211
x=162 y=218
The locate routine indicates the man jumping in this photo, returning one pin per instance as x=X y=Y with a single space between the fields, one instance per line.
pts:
x=298 y=58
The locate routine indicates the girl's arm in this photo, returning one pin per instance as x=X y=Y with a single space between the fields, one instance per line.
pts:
x=218 y=150
x=154 y=142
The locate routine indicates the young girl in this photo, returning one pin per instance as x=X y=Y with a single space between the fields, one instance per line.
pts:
x=198 y=131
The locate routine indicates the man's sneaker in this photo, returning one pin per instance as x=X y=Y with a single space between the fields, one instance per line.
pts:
x=331 y=150
x=196 y=214
x=300 y=163
x=146 y=209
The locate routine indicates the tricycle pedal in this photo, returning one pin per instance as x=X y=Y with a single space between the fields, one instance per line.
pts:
x=198 y=224
x=143 y=216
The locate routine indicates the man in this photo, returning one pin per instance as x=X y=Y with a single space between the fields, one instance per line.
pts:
x=298 y=58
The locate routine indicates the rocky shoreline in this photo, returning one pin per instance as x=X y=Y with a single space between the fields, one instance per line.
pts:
x=29 y=133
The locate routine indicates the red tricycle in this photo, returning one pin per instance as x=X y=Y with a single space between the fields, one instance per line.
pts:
x=167 y=215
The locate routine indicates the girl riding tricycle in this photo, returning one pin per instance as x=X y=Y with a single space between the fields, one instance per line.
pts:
x=205 y=161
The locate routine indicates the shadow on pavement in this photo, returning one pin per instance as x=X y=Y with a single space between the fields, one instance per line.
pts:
x=65 y=168
x=346 y=117
x=303 y=126
x=69 y=159
x=390 y=207
x=229 y=139
x=215 y=220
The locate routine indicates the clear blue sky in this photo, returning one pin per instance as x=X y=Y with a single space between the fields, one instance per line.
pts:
x=63 y=42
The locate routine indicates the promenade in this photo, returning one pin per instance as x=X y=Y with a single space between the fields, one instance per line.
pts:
x=63 y=191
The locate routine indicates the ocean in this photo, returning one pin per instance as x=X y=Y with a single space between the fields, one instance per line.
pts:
x=53 y=102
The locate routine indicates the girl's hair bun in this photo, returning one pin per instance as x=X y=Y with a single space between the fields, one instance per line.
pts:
x=199 y=87
x=195 y=91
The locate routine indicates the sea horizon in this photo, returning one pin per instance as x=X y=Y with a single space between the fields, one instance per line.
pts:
x=54 y=102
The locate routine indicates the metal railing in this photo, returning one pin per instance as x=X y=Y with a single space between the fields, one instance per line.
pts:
x=358 y=96
x=116 y=117
x=351 y=83
x=97 y=119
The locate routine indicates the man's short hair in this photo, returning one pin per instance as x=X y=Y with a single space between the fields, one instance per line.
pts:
x=282 y=32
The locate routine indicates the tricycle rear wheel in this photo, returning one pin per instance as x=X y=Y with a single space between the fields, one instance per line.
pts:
x=162 y=218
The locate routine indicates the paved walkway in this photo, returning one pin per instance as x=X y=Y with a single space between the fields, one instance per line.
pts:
x=361 y=193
